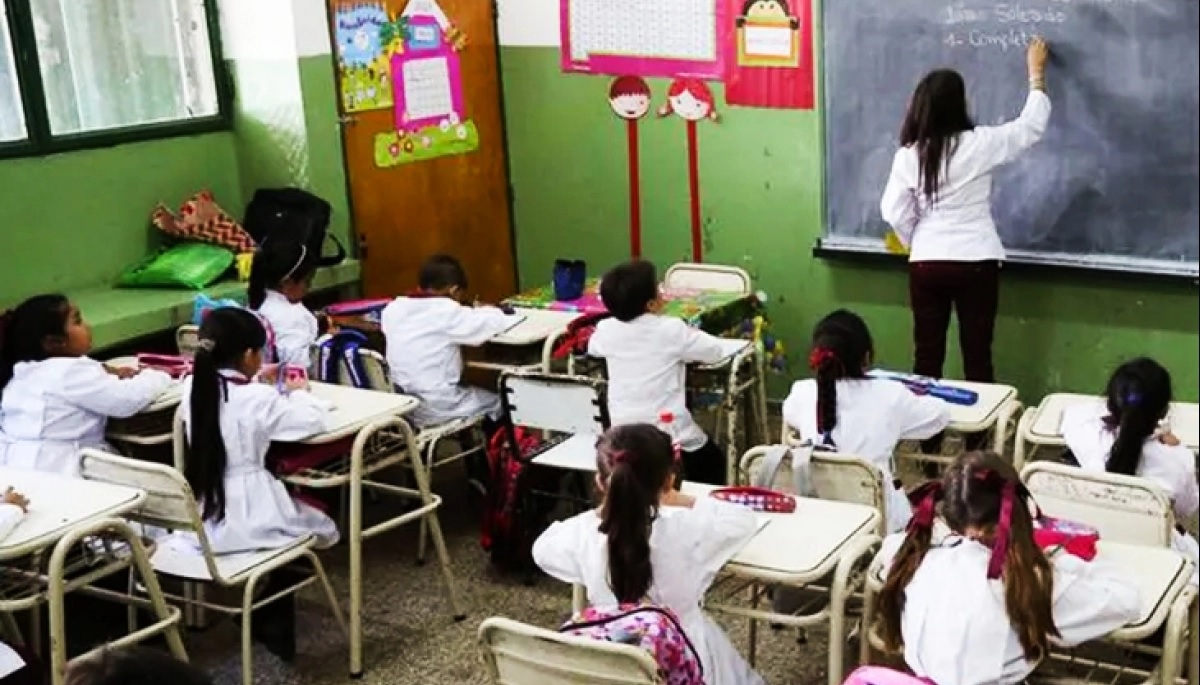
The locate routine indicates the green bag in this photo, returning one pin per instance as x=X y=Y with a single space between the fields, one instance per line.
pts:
x=186 y=265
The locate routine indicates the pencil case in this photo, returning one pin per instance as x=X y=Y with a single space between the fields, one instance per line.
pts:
x=927 y=386
x=758 y=499
x=174 y=365
x=1076 y=539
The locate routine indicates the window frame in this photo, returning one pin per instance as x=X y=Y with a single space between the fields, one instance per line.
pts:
x=40 y=142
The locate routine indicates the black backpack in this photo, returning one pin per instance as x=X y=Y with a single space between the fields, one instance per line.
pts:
x=292 y=215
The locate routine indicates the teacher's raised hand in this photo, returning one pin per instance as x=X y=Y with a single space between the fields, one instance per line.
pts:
x=1036 y=56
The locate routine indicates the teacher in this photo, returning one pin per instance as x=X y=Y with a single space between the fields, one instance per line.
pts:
x=938 y=202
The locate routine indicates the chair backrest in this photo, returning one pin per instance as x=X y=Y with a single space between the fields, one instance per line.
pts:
x=187 y=339
x=836 y=477
x=562 y=404
x=726 y=279
x=521 y=654
x=1123 y=508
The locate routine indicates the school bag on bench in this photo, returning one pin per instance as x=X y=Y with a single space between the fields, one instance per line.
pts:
x=653 y=628
x=293 y=215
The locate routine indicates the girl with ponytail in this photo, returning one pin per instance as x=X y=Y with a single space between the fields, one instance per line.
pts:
x=1127 y=435
x=279 y=280
x=845 y=410
x=648 y=542
x=975 y=601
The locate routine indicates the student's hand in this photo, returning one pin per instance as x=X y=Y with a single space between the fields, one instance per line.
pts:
x=122 y=372
x=269 y=373
x=1169 y=439
x=16 y=499
x=297 y=383
x=1035 y=57
x=674 y=498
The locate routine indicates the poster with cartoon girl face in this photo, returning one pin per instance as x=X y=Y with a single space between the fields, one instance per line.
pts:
x=691 y=100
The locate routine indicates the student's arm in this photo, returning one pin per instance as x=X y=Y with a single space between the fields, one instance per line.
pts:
x=89 y=386
x=1091 y=599
x=696 y=346
x=10 y=516
x=920 y=417
x=294 y=416
x=556 y=550
x=720 y=530
x=899 y=204
x=474 y=326
x=1186 y=497
x=796 y=405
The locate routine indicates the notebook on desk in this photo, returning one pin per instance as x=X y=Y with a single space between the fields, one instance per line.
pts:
x=517 y=320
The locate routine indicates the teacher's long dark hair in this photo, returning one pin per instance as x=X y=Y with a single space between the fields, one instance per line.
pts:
x=937 y=114
x=227 y=337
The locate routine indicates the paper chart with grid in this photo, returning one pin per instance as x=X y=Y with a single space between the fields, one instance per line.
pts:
x=427 y=88
x=645 y=29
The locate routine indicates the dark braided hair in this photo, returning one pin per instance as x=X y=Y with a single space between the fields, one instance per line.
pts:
x=841 y=348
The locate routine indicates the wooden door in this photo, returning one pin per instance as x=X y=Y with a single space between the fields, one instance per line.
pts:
x=457 y=204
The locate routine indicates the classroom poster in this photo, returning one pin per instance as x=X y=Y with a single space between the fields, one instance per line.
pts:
x=692 y=100
x=426 y=77
x=364 y=81
x=771 y=48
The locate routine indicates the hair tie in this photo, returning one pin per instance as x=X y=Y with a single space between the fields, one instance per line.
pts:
x=620 y=457
x=303 y=256
x=1132 y=399
x=925 y=499
x=1003 y=530
x=820 y=356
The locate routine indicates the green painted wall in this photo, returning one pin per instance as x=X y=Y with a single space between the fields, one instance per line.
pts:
x=760 y=193
x=77 y=219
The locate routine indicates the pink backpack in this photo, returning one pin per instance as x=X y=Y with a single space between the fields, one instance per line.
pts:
x=878 y=675
x=653 y=628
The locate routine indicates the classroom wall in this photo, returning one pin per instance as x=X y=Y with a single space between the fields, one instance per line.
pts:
x=761 y=201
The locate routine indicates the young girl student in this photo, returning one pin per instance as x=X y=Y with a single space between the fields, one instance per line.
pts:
x=979 y=603
x=231 y=421
x=425 y=332
x=649 y=542
x=279 y=280
x=846 y=410
x=1125 y=437
x=54 y=399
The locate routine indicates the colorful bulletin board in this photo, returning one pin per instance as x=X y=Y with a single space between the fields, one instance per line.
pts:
x=668 y=38
x=771 y=62
x=362 y=57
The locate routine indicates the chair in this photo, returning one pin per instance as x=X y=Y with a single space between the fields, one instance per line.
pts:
x=1123 y=508
x=171 y=505
x=572 y=407
x=187 y=339
x=689 y=276
x=521 y=654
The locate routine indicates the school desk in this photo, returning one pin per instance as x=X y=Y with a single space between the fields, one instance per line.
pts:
x=527 y=345
x=1041 y=426
x=63 y=513
x=1162 y=576
x=150 y=427
x=822 y=540
x=382 y=440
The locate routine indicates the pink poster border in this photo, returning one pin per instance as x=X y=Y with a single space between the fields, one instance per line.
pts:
x=400 y=98
x=646 y=66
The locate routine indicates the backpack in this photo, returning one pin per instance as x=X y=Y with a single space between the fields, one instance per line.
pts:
x=878 y=675
x=507 y=533
x=292 y=215
x=653 y=628
x=338 y=349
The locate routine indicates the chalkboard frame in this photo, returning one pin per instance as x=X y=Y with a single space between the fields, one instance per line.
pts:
x=858 y=250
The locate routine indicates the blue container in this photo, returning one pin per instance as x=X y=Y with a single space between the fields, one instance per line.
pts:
x=570 y=276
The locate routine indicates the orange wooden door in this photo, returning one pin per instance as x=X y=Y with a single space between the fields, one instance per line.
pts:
x=458 y=204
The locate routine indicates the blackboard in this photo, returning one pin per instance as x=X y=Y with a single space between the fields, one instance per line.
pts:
x=1116 y=180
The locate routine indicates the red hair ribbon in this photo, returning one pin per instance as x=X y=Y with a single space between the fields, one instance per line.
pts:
x=819 y=357
x=925 y=499
x=620 y=457
x=1003 y=530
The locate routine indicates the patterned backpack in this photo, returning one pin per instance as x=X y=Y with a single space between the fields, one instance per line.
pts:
x=653 y=628
x=878 y=675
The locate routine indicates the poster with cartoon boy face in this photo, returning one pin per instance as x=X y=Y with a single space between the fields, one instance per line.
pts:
x=629 y=97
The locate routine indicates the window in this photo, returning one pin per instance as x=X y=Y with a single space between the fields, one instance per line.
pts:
x=85 y=73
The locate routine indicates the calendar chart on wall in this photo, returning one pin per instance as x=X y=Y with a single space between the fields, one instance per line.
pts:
x=666 y=38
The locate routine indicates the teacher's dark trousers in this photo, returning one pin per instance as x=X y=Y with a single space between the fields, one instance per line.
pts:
x=972 y=289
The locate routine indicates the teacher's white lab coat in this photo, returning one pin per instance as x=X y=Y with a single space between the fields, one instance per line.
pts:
x=873 y=414
x=294 y=326
x=1170 y=468
x=424 y=335
x=53 y=408
x=687 y=549
x=259 y=511
x=955 y=626
x=647 y=362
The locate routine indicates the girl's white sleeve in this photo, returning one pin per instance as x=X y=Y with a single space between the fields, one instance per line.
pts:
x=556 y=550
x=294 y=416
x=474 y=326
x=1186 y=498
x=920 y=416
x=719 y=530
x=1091 y=599
x=795 y=406
x=1002 y=144
x=91 y=387
x=900 y=205
x=10 y=516
x=696 y=346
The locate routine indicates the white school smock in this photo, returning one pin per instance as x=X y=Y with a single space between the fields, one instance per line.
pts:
x=53 y=408
x=10 y=516
x=424 y=335
x=958 y=227
x=647 y=362
x=294 y=326
x=687 y=549
x=259 y=511
x=1170 y=468
x=873 y=414
x=955 y=626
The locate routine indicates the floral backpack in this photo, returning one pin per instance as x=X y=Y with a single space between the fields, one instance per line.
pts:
x=653 y=628
x=878 y=675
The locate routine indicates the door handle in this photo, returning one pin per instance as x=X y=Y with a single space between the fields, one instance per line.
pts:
x=348 y=119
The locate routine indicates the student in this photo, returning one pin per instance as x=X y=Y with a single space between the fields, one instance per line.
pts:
x=649 y=542
x=55 y=399
x=979 y=603
x=1125 y=438
x=647 y=356
x=279 y=279
x=844 y=409
x=425 y=331
x=230 y=424
x=132 y=666
x=938 y=199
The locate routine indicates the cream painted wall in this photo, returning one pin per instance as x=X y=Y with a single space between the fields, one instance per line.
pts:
x=528 y=23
